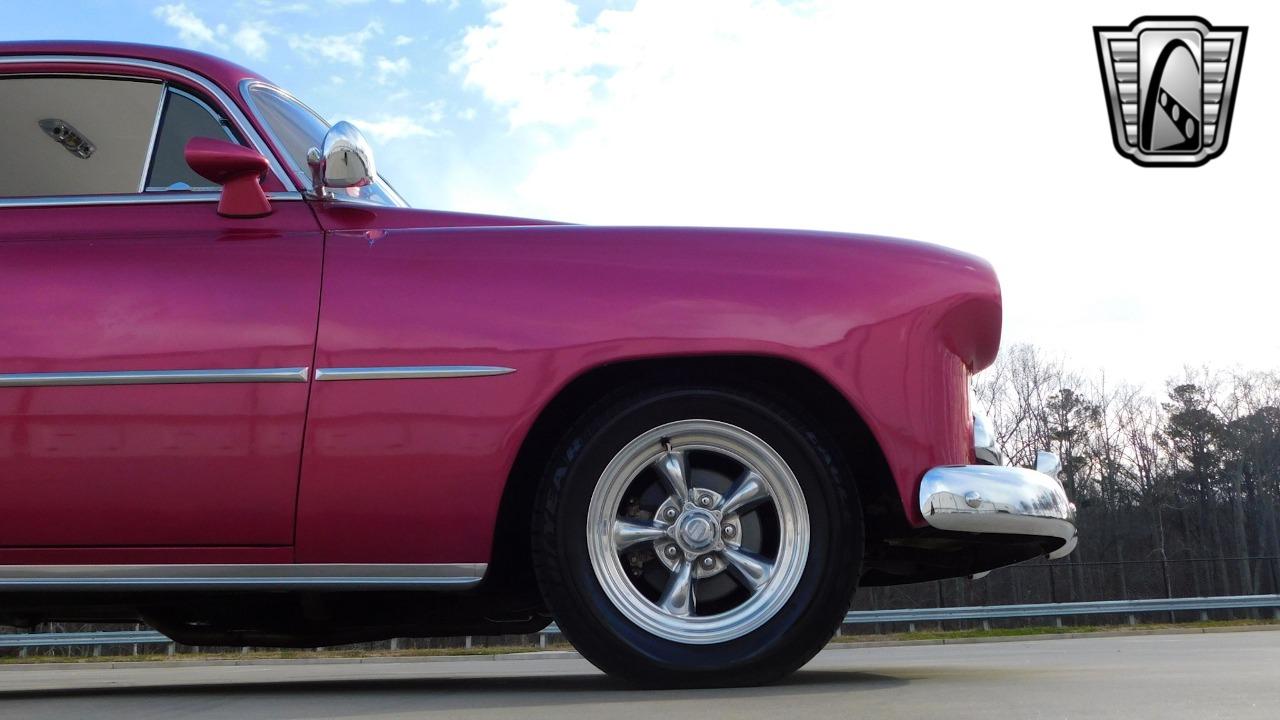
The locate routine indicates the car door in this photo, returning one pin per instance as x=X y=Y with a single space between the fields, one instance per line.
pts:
x=154 y=356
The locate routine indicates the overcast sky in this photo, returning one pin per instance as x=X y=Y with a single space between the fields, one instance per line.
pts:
x=981 y=127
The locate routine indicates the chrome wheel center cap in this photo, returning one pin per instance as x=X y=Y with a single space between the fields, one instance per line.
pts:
x=695 y=530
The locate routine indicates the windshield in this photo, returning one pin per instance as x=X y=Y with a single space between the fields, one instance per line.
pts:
x=296 y=128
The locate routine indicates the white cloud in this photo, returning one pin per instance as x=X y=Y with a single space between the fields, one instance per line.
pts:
x=401 y=40
x=251 y=39
x=434 y=111
x=393 y=127
x=347 y=48
x=536 y=58
x=191 y=29
x=390 y=70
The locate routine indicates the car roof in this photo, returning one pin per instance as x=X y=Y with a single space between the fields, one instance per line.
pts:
x=226 y=74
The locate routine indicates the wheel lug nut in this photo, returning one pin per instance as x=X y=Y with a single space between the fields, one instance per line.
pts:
x=708 y=562
x=705 y=501
x=672 y=551
x=670 y=513
x=730 y=531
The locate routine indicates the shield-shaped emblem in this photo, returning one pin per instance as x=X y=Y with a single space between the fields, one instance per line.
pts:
x=1170 y=85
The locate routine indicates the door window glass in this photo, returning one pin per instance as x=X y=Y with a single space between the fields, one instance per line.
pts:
x=184 y=117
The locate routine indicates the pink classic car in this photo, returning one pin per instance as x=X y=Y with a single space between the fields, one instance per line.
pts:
x=250 y=397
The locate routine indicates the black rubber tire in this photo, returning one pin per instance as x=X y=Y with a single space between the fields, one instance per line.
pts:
x=617 y=646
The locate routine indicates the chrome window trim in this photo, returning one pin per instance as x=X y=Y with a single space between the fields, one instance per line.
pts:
x=232 y=110
x=410 y=372
x=155 y=377
x=147 y=198
x=303 y=173
x=434 y=576
x=155 y=137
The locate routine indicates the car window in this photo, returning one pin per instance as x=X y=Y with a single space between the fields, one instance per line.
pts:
x=294 y=126
x=75 y=135
x=184 y=117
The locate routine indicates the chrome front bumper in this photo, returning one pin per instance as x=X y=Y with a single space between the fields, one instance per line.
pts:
x=1001 y=500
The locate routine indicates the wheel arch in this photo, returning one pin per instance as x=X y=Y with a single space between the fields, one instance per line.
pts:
x=511 y=570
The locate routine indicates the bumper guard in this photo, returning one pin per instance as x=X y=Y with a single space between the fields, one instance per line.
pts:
x=1001 y=500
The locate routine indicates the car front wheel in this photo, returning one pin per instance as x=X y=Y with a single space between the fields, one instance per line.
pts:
x=696 y=536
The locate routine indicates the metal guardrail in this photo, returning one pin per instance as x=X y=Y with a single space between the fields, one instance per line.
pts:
x=913 y=615
x=1097 y=607
x=126 y=637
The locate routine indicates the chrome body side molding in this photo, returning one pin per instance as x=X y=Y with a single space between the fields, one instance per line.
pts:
x=155 y=377
x=245 y=375
x=408 y=372
x=43 y=578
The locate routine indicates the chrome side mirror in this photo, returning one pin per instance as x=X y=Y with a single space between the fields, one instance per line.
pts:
x=345 y=160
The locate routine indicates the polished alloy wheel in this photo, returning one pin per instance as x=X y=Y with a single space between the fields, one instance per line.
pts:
x=698 y=531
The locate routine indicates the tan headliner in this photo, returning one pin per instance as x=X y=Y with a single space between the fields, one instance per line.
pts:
x=116 y=115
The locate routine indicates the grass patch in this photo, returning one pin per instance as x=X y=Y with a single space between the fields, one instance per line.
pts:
x=1044 y=630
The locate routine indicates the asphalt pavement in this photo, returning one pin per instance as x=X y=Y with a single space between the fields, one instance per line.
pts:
x=1220 y=675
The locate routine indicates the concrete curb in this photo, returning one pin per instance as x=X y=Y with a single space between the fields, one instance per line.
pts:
x=572 y=655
